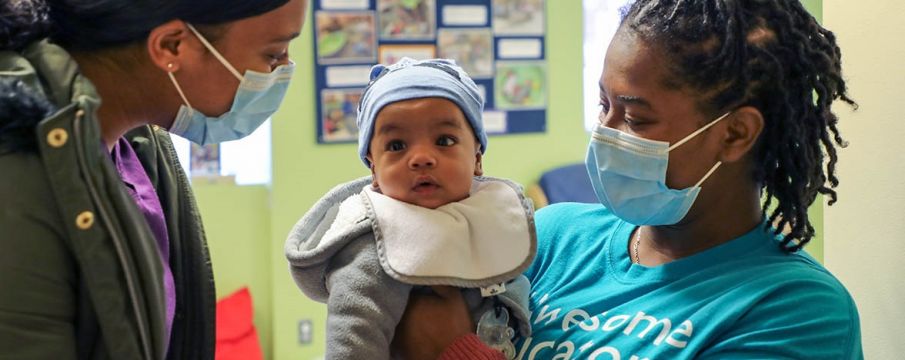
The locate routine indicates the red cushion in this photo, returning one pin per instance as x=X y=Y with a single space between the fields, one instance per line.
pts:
x=237 y=338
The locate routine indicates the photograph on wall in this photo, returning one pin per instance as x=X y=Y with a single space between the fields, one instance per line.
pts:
x=407 y=19
x=345 y=37
x=520 y=85
x=472 y=49
x=339 y=108
x=390 y=54
x=205 y=160
x=518 y=17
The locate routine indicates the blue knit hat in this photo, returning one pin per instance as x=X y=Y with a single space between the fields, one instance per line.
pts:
x=414 y=79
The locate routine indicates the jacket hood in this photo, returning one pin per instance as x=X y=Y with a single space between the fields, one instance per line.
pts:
x=307 y=245
x=307 y=249
x=35 y=83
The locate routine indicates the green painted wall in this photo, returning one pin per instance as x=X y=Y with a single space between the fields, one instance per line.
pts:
x=247 y=226
x=237 y=223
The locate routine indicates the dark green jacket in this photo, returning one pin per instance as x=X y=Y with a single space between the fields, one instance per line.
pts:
x=80 y=271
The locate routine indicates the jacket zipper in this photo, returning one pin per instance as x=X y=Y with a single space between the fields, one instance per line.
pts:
x=117 y=242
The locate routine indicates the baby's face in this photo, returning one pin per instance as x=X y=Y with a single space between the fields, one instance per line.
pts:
x=423 y=152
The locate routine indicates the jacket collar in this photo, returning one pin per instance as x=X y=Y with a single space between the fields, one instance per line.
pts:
x=49 y=70
x=51 y=73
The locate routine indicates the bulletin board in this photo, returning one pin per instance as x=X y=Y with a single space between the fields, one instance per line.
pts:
x=500 y=43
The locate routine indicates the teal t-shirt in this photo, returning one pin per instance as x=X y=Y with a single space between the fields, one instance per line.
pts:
x=745 y=299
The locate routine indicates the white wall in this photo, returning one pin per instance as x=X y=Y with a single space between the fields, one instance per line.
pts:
x=865 y=230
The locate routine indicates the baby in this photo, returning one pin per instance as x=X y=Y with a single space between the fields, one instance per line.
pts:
x=425 y=217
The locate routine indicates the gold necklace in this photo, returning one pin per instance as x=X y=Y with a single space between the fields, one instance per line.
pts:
x=635 y=245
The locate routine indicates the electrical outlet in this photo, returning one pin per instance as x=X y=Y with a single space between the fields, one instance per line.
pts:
x=306 y=331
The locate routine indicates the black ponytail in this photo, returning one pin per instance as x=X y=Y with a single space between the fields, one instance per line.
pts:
x=22 y=22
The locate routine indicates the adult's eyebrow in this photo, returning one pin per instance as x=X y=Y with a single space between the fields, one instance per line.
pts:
x=288 y=38
x=633 y=100
x=628 y=99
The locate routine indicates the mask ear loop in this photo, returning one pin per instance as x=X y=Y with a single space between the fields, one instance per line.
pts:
x=178 y=88
x=691 y=136
x=718 y=163
x=215 y=52
x=698 y=131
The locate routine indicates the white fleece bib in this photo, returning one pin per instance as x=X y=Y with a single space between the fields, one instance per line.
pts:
x=483 y=237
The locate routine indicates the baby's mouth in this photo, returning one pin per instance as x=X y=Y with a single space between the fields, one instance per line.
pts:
x=425 y=186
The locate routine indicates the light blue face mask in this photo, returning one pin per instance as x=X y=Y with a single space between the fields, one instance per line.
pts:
x=259 y=96
x=628 y=174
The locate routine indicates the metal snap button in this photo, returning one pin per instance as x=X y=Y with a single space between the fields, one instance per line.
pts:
x=84 y=220
x=57 y=137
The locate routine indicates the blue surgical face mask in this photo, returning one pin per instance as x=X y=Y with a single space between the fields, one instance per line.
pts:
x=628 y=174
x=259 y=96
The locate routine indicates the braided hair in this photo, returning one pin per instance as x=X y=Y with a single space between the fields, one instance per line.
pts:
x=774 y=56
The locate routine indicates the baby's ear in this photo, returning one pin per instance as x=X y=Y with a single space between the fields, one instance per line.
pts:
x=374 y=183
x=478 y=168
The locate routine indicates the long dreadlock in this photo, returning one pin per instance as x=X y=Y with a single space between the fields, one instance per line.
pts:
x=774 y=56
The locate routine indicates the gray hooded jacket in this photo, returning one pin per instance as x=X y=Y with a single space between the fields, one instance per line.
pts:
x=342 y=253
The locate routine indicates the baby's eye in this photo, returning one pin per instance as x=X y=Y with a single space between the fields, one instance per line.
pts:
x=446 y=140
x=395 y=145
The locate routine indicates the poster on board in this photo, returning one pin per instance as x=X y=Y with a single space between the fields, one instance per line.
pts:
x=407 y=19
x=345 y=37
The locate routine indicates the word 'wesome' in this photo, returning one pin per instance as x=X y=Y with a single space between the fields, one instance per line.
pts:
x=639 y=325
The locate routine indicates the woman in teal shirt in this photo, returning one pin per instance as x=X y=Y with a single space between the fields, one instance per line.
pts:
x=708 y=107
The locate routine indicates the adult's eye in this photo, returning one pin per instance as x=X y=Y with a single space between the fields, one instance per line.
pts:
x=277 y=58
x=604 y=107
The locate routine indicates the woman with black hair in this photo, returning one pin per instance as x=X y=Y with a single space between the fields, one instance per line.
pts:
x=708 y=107
x=102 y=251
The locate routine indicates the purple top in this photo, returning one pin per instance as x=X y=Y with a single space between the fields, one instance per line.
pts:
x=139 y=187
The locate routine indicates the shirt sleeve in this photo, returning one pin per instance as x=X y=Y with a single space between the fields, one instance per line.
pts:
x=469 y=347
x=364 y=306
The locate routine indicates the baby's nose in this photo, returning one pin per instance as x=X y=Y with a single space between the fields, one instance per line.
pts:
x=422 y=159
